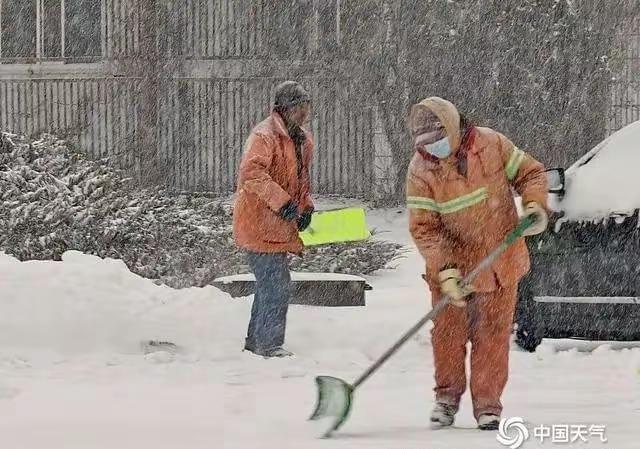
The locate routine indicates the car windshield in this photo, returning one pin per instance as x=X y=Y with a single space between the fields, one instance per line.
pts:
x=605 y=181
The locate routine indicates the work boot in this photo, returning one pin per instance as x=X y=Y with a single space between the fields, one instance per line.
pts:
x=249 y=346
x=488 y=422
x=277 y=352
x=443 y=414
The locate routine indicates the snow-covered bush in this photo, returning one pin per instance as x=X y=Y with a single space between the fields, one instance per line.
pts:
x=53 y=199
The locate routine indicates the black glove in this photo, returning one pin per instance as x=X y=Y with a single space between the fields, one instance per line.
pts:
x=305 y=220
x=289 y=211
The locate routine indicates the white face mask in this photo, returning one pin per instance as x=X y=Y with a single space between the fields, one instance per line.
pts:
x=440 y=149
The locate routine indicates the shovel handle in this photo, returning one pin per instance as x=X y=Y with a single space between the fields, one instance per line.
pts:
x=509 y=240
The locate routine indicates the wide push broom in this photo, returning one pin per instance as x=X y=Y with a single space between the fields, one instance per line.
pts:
x=335 y=396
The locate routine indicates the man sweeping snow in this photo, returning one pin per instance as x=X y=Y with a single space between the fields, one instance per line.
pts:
x=459 y=188
x=272 y=205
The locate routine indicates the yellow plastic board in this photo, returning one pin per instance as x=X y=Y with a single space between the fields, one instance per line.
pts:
x=336 y=226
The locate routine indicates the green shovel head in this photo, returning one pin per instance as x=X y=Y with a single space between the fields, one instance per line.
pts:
x=336 y=226
x=334 y=402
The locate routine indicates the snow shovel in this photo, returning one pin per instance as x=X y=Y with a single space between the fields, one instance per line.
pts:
x=335 y=396
x=336 y=226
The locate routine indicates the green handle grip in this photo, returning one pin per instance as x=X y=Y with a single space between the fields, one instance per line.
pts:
x=519 y=231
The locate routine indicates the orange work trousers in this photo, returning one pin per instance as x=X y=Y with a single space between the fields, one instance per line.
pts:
x=487 y=322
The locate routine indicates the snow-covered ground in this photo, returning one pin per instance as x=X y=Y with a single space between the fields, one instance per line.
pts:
x=73 y=375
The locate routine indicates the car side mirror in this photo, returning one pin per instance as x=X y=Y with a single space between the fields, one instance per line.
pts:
x=556 y=180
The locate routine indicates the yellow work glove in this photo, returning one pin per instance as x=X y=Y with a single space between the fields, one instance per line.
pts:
x=450 y=284
x=542 y=219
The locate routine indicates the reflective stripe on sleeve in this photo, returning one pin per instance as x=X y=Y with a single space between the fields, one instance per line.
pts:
x=516 y=159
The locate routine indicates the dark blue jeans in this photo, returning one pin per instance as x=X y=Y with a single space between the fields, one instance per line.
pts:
x=271 y=301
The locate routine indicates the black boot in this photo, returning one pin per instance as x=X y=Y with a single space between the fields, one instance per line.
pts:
x=488 y=422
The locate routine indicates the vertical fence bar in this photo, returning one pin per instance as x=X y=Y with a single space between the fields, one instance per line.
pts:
x=123 y=28
x=107 y=40
x=0 y=28
x=217 y=144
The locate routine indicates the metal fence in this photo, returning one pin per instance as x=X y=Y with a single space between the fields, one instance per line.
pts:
x=205 y=124
x=99 y=114
x=202 y=126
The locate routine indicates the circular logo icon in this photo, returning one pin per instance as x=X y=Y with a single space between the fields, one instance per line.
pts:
x=512 y=432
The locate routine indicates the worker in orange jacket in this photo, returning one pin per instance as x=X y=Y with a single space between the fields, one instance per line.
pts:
x=459 y=194
x=273 y=204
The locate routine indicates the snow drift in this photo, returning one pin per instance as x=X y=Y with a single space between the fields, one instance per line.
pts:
x=87 y=304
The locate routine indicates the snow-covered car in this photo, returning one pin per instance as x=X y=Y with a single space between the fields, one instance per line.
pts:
x=585 y=277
